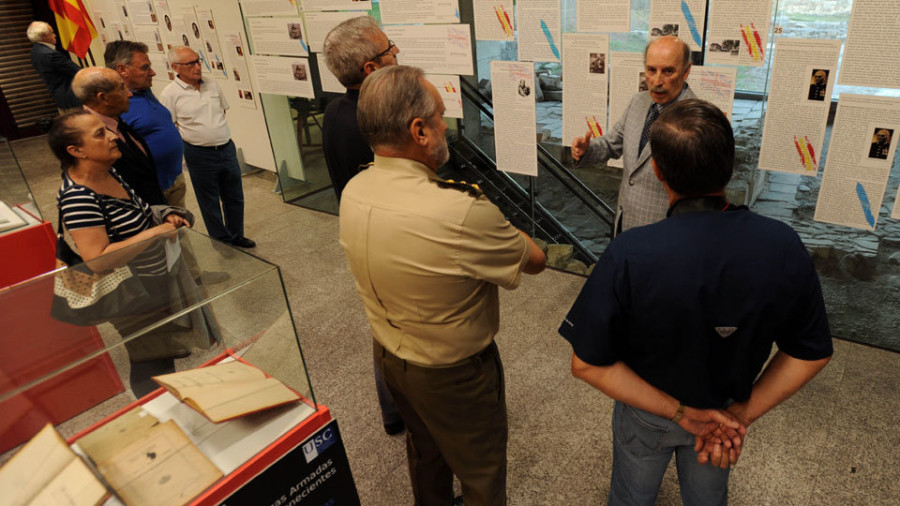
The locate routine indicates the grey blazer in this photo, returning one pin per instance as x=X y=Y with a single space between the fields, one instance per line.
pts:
x=642 y=198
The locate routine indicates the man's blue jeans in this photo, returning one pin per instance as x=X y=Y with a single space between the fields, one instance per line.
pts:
x=216 y=178
x=643 y=444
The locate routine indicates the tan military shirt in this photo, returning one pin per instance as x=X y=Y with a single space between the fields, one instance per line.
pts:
x=427 y=261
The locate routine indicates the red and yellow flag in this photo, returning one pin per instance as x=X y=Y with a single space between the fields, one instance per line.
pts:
x=76 y=30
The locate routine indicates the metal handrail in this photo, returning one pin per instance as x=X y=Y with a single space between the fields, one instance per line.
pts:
x=513 y=184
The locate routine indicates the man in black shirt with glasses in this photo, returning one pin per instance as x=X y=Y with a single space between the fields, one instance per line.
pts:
x=353 y=50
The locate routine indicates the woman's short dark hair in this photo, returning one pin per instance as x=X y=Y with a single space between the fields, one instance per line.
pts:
x=693 y=146
x=63 y=134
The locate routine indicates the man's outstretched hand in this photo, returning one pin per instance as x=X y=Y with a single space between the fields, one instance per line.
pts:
x=580 y=145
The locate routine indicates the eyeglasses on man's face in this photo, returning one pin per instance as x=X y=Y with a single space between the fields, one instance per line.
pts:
x=189 y=63
x=390 y=47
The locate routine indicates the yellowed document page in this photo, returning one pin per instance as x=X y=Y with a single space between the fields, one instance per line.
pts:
x=103 y=443
x=47 y=469
x=227 y=390
x=162 y=468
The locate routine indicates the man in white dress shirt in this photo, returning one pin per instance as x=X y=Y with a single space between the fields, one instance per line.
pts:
x=198 y=109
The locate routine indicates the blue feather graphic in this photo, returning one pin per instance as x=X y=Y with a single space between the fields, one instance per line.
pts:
x=691 y=23
x=549 y=36
x=866 y=207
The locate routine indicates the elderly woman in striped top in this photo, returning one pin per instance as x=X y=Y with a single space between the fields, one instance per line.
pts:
x=106 y=219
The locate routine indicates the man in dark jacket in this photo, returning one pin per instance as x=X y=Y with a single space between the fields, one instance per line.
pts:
x=104 y=95
x=353 y=50
x=54 y=67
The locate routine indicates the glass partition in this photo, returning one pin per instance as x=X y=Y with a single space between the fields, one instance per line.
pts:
x=852 y=263
x=17 y=207
x=71 y=363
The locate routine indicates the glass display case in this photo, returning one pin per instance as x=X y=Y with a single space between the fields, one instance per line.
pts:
x=78 y=366
x=17 y=208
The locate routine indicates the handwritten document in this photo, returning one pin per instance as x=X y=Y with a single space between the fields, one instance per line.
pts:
x=46 y=471
x=162 y=468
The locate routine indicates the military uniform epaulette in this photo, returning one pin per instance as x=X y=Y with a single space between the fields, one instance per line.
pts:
x=471 y=189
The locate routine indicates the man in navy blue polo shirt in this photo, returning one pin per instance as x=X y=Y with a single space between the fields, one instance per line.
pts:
x=148 y=117
x=678 y=318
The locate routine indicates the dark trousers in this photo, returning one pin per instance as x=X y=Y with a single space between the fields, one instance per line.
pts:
x=389 y=413
x=456 y=424
x=216 y=178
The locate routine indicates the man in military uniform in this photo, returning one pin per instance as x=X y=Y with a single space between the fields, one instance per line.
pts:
x=428 y=256
x=818 y=85
x=882 y=144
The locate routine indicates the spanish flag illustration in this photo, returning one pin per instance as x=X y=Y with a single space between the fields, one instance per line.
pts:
x=594 y=126
x=753 y=41
x=807 y=153
x=505 y=23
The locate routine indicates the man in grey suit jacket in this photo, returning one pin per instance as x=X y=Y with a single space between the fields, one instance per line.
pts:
x=55 y=68
x=642 y=198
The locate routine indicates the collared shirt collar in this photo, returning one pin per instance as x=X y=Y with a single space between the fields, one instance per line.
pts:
x=186 y=85
x=689 y=205
x=112 y=124
x=406 y=166
x=51 y=46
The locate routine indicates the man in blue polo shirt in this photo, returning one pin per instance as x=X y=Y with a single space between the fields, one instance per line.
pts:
x=148 y=117
x=678 y=318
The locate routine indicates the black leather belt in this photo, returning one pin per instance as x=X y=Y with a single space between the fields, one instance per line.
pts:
x=214 y=148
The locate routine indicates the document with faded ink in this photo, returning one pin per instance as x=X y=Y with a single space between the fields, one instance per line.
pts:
x=46 y=471
x=162 y=468
x=228 y=390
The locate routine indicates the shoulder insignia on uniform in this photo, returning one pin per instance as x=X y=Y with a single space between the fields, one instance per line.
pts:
x=471 y=189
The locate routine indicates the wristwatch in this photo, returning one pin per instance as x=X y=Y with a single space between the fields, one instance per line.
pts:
x=678 y=413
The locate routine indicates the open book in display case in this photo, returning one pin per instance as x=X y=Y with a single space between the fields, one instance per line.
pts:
x=100 y=390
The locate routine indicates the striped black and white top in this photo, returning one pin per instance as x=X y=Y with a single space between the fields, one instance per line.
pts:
x=81 y=207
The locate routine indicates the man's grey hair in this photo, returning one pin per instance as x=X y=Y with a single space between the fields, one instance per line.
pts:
x=389 y=100
x=685 y=51
x=91 y=81
x=173 y=53
x=348 y=46
x=38 y=31
x=120 y=52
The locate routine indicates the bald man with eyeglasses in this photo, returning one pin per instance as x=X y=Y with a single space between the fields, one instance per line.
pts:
x=198 y=109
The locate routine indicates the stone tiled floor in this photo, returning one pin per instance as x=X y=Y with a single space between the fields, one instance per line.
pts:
x=834 y=443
